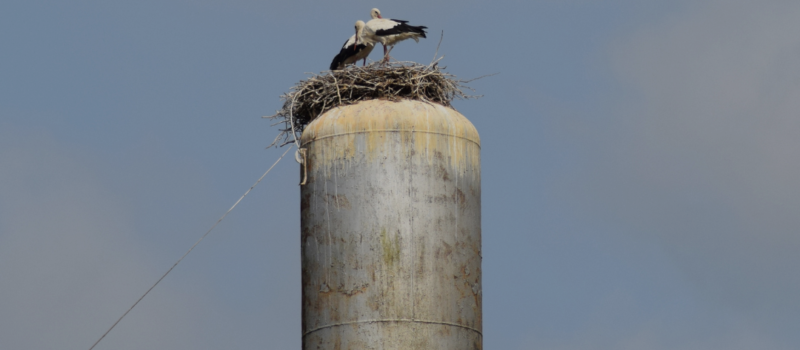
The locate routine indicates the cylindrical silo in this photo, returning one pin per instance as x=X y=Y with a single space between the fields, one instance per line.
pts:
x=391 y=228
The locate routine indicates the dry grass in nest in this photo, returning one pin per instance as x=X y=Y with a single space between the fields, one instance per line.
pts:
x=394 y=81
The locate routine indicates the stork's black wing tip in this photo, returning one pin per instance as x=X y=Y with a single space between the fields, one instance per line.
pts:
x=336 y=62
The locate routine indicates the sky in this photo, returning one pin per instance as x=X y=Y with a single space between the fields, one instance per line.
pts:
x=640 y=168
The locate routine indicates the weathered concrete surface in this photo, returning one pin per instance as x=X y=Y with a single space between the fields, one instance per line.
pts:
x=391 y=229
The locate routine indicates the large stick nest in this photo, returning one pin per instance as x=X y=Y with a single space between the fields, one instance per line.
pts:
x=394 y=81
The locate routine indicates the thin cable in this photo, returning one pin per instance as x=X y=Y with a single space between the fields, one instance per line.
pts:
x=190 y=249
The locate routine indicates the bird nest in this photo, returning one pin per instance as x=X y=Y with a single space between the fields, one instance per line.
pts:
x=394 y=81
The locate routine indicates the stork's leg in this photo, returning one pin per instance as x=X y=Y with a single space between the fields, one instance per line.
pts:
x=385 y=54
x=365 y=62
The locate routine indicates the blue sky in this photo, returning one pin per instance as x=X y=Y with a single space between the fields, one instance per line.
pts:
x=640 y=168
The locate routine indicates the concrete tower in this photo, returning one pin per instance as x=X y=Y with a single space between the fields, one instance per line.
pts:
x=391 y=228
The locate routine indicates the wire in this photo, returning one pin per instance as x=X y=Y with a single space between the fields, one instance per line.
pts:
x=190 y=249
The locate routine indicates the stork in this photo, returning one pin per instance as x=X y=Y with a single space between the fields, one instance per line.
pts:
x=354 y=49
x=390 y=31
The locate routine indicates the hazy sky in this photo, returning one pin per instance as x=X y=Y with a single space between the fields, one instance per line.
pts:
x=641 y=168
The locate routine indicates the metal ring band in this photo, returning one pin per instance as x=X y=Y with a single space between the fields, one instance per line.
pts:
x=394 y=320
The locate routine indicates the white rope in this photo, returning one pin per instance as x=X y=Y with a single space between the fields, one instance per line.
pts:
x=291 y=121
x=190 y=249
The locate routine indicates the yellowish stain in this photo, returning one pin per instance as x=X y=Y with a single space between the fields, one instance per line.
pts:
x=391 y=248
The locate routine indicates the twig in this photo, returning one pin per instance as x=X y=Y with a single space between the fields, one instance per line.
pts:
x=482 y=76
x=437 y=49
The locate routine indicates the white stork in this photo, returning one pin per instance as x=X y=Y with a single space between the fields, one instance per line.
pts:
x=391 y=31
x=354 y=49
